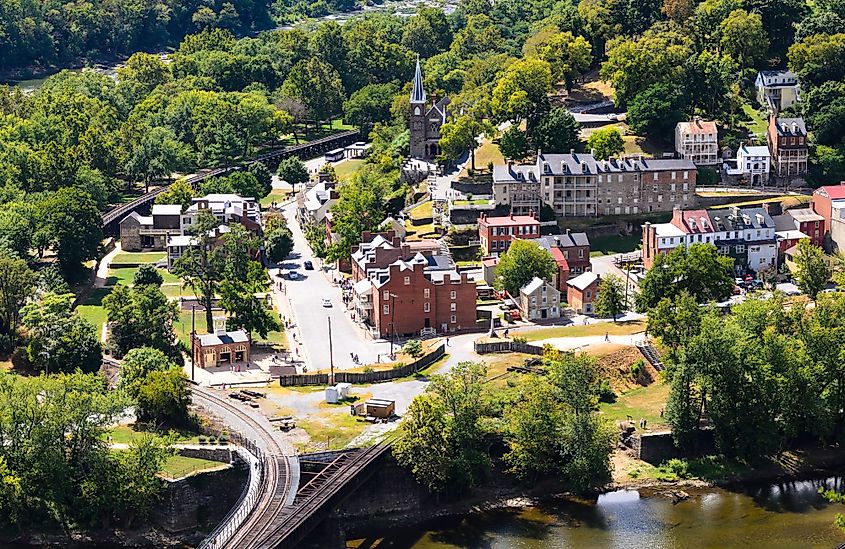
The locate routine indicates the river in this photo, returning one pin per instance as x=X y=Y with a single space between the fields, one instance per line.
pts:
x=403 y=8
x=775 y=516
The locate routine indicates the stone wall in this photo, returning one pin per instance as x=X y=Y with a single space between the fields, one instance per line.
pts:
x=656 y=448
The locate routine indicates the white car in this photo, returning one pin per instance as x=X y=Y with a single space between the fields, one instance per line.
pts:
x=327 y=302
x=293 y=275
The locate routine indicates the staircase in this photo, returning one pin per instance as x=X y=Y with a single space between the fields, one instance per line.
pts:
x=650 y=353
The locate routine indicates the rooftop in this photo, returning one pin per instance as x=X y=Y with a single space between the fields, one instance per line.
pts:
x=565 y=240
x=698 y=127
x=535 y=284
x=581 y=282
x=225 y=338
x=755 y=150
x=804 y=215
x=834 y=192
x=167 y=209
x=778 y=78
x=508 y=220
x=791 y=126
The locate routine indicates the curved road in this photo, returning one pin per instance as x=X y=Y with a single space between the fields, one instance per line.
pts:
x=281 y=468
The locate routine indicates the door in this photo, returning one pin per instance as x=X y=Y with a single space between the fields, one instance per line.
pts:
x=543 y=313
x=427 y=322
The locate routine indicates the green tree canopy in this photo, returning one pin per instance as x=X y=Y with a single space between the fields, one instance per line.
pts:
x=698 y=269
x=606 y=142
x=521 y=263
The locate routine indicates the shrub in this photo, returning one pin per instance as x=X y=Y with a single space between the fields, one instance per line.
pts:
x=368 y=369
x=398 y=365
x=413 y=348
x=519 y=339
x=605 y=392
x=637 y=368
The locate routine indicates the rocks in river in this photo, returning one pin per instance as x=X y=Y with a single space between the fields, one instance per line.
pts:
x=676 y=496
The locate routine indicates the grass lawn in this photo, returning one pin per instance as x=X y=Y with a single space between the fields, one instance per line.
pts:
x=179 y=466
x=347 y=168
x=486 y=153
x=276 y=195
x=175 y=290
x=330 y=429
x=139 y=257
x=614 y=244
x=474 y=202
x=599 y=328
x=642 y=402
x=125 y=275
x=92 y=308
x=424 y=210
x=758 y=123
x=182 y=327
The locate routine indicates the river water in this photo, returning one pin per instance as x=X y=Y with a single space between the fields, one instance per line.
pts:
x=778 y=516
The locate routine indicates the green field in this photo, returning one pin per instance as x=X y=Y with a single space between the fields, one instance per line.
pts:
x=276 y=195
x=422 y=211
x=92 y=308
x=179 y=466
x=758 y=123
x=125 y=275
x=124 y=434
x=585 y=330
x=640 y=403
x=347 y=168
x=139 y=257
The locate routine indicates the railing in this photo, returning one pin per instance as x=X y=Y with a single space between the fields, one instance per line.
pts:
x=220 y=536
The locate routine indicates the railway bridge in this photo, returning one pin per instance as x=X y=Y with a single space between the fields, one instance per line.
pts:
x=272 y=159
x=280 y=505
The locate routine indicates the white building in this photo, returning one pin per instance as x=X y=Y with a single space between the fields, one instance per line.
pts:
x=753 y=163
x=227 y=208
x=777 y=90
x=698 y=140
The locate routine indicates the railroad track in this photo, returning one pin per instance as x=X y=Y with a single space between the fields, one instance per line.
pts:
x=276 y=484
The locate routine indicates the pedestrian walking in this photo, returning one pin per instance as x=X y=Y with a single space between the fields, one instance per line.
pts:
x=607 y=336
x=447 y=341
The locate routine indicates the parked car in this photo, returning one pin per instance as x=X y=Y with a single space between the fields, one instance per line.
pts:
x=327 y=302
x=309 y=266
x=293 y=275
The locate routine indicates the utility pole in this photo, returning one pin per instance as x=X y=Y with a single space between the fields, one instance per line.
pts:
x=193 y=338
x=392 y=324
x=331 y=358
x=627 y=281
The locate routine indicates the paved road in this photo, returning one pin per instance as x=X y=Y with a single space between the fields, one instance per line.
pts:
x=304 y=295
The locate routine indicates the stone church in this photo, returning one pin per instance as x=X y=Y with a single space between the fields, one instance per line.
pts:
x=426 y=120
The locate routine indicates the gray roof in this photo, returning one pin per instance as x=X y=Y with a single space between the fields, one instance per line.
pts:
x=535 y=284
x=784 y=222
x=585 y=164
x=738 y=219
x=566 y=240
x=785 y=126
x=581 y=282
x=803 y=215
x=418 y=92
x=515 y=172
x=769 y=78
x=237 y=336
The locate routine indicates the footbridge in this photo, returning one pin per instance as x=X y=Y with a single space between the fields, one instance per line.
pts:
x=272 y=159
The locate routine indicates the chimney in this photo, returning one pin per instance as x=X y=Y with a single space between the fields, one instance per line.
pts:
x=583 y=167
x=593 y=152
x=568 y=231
x=511 y=215
x=572 y=151
x=795 y=128
x=557 y=241
x=677 y=217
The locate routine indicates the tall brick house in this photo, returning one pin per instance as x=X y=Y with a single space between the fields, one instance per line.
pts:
x=407 y=297
x=426 y=120
x=787 y=138
x=497 y=233
x=571 y=252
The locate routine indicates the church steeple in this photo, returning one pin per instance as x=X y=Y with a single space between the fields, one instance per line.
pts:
x=418 y=93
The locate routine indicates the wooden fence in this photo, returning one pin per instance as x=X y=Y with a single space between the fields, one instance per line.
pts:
x=366 y=377
x=507 y=347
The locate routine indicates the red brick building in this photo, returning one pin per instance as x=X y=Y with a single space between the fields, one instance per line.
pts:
x=571 y=252
x=408 y=296
x=582 y=291
x=379 y=250
x=810 y=223
x=823 y=198
x=497 y=233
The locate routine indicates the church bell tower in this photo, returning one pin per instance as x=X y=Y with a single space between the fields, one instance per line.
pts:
x=418 y=115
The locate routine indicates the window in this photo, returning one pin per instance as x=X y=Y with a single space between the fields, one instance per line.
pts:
x=654 y=188
x=453 y=294
x=673 y=175
x=453 y=307
x=686 y=186
x=686 y=176
x=453 y=319
x=387 y=309
x=386 y=295
x=407 y=281
x=655 y=176
x=672 y=186
x=740 y=248
x=427 y=293
x=581 y=253
x=588 y=294
x=426 y=307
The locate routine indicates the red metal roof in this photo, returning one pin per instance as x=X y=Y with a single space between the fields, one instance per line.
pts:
x=561 y=261
x=509 y=220
x=835 y=192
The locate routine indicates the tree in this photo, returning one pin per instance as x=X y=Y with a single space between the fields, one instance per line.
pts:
x=611 y=297
x=262 y=175
x=147 y=274
x=678 y=10
x=461 y=135
x=698 y=269
x=522 y=91
x=17 y=282
x=199 y=267
x=606 y=142
x=278 y=239
x=708 y=77
x=59 y=340
x=165 y=395
x=514 y=144
x=74 y=226
x=140 y=486
x=369 y=105
x=480 y=35
x=557 y=132
x=245 y=184
x=413 y=348
x=179 y=192
x=569 y=56
x=141 y=316
x=743 y=37
x=137 y=365
x=811 y=270
x=655 y=111
x=361 y=207
x=441 y=442
x=427 y=33
x=523 y=261
x=155 y=154
x=818 y=59
x=293 y=171
x=676 y=320
x=318 y=86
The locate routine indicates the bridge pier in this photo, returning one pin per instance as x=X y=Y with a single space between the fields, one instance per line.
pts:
x=328 y=535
